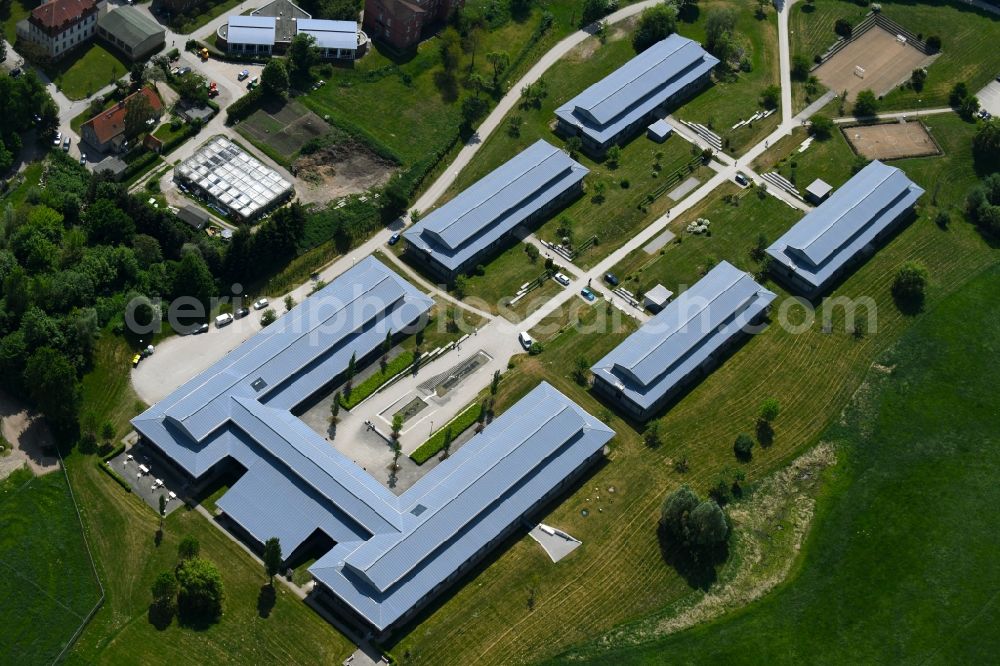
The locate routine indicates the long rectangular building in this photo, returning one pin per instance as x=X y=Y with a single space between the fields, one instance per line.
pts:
x=385 y=555
x=625 y=102
x=481 y=220
x=654 y=364
x=825 y=243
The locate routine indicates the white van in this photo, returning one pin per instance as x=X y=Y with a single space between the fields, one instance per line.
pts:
x=223 y=320
x=525 y=339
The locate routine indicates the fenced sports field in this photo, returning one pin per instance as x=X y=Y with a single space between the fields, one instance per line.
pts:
x=284 y=130
x=891 y=141
x=886 y=62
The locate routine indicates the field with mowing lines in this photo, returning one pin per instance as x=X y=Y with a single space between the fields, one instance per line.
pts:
x=901 y=554
x=47 y=584
x=522 y=608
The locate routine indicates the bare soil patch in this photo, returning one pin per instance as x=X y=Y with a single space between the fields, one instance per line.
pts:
x=29 y=438
x=891 y=141
x=345 y=168
x=886 y=61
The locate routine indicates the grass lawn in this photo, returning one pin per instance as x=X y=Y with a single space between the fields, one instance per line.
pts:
x=967 y=34
x=17 y=11
x=734 y=230
x=82 y=74
x=188 y=24
x=121 y=530
x=48 y=585
x=902 y=558
x=829 y=160
x=165 y=132
x=504 y=276
x=521 y=607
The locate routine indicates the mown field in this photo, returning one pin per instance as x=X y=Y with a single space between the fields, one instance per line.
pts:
x=900 y=566
x=47 y=586
x=86 y=71
x=522 y=608
x=968 y=37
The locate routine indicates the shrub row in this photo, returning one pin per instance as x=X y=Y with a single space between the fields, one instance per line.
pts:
x=244 y=106
x=117 y=451
x=375 y=382
x=458 y=425
x=101 y=465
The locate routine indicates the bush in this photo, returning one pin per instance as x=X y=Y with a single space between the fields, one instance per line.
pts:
x=821 y=126
x=934 y=43
x=376 y=381
x=910 y=283
x=118 y=478
x=269 y=317
x=843 y=28
x=986 y=145
x=865 y=104
x=458 y=425
x=771 y=97
x=800 y=68
x=200 y=592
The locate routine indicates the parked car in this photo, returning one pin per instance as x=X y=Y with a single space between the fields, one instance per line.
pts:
x=66 y=145
x=260 y=304
x=56 y=141
x=253 y=83
x=525 y=340
x=588 y=295
x=242 y=312
x=561 y=279
x=200 y=329
x=223 y=320
x=135 y=360
x=611 y=279
x=741 y=179
x=83 y=159
x=175 y=71
x=244 y=74
x=393 y=239
x=183 y=70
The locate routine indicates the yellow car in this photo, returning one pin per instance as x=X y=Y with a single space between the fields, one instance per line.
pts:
x=135 y=360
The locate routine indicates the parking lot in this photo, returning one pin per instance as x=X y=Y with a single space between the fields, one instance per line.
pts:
x=149 y=478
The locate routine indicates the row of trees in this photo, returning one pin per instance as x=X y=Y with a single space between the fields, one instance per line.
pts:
x=21 y=100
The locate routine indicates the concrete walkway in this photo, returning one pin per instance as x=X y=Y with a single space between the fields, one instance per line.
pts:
x=895 y=115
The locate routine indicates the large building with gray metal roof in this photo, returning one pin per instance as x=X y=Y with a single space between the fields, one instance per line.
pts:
x=677 y=346
x=483 y=219
x=625 y=102
x=844 y=229
x=385 y=556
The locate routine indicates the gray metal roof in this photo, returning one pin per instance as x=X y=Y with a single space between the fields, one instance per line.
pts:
x=251 y=30
x=331 y=34
x=836 y=231
x=494 y=205
x=632 y=91
x=667 y=348
x=391 y=551
x=660 y=129
x=130 y=25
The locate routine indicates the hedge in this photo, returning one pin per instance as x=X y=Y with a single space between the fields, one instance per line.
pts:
x=114 y=475
x=458 y=425
x=397 y=365
x=117 y=451
x=244 y=106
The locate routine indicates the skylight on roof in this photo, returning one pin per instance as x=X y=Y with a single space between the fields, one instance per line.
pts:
x=258 y=384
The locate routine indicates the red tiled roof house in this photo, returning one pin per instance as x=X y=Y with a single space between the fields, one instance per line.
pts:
x=60 y=26
x=106 y=130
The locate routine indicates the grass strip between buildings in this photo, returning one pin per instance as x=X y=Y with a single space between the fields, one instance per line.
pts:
x=377 y=381
x=457 y=425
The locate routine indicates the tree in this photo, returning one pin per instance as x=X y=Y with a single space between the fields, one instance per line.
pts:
x=593 y=10
x=164 y=590
x=910 y=283
x=969 y=107
x=843 y=28
x=192 y=277
x=708 y=525
x=163 y=505
x=397 y=428
x=675 y=511
x=655 y=24
x=51 y=383
x=865 y=104
x=461 y=286
x=495 y=383
x=188 y=548
x=473 y=108
x=769 y=410
x=800 y=68
x=934 y=43
x=821 y=126
x=917 y=78
x=743 y=447
x=192 y=88
x=200 y=591
x=448 y=439
x=986 y=144
x=107 y=223
x=958 y=93
x=289 y=303
x=532 y=252
x=500 y=61
x=335 y=408
x=302 y=55
x=719 y=26
x=580 y=369
x=761 y=11
x=137 y=74
x=573 y=146
x=514 y=124
x=274 y=78
x=272 y=558
x=449 y=48
x=138 y=110
x=614 y=156
x=771 y=97
x=651 y=435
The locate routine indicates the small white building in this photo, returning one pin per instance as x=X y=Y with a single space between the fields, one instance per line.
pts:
x=657 y=298
x=336 y=40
